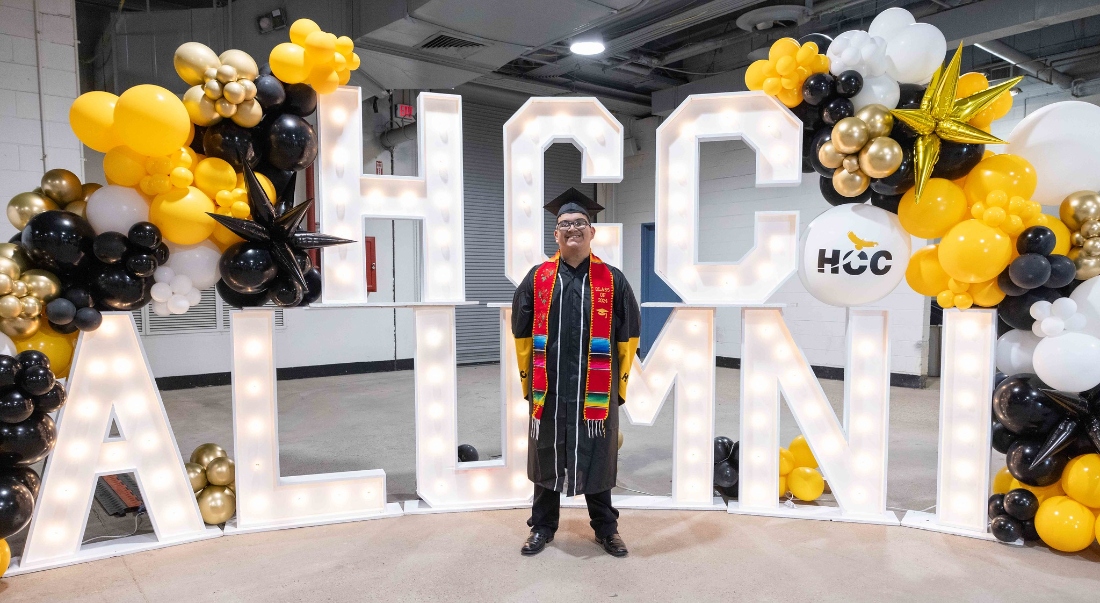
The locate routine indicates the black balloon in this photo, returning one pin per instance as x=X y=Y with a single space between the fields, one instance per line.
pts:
x=820 y=138
x=301 y=100
x=1016 y=310
x=910 y=96
x=996 y=505
x=957 y=159
x=248 y=268
x=818 y=88
x=51 y=401
x=1023 y=453
x=823 y=41
x=1004 y=282
x=313 y=286
x=66 y=329
x=58 y=241
x=16 y=506
x=1023 y=409
x=285 y=293
x=836 y=110
x=834 y=198
x=1002 y=438
x=849 y=83
x=88 y=319
x=79 y=296
x=810 y=116
x=35 y=380
x=279 y=178
x=1030 y=534
x=196 y=141
x=1006 y=528
x=60 y=311
x=27 y=442
x=1062 y=272
x=1029 y=271
x=467 y=453
x=1036 y=239
x=725 y=475
x=118 y=289
x=291 y=142
x=24 y=475
x=32 y=358
x=240 y=300
x=142 y=264
x=901 y=180
x=998 y=377
x=737 y=454
x=14 y=406
x=144 y=234
x=8 y=368
x=270 y=92
x=230 y=142
x=110 y=247
x=161 y=253
x=888 y=202
x=1021 y=504
x=723 y=449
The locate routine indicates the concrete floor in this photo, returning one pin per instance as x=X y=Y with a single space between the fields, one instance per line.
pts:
x=474 y=556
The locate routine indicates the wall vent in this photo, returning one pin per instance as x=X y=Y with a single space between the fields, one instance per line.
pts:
x=446 y=42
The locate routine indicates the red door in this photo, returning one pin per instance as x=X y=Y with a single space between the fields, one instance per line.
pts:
x=372 y=265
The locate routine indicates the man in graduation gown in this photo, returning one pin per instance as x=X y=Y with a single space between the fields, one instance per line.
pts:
x=576 y=324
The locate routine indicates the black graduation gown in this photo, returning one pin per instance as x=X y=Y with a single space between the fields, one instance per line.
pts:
x=563 y=456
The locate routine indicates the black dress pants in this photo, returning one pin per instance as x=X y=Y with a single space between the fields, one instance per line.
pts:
x=546 y=509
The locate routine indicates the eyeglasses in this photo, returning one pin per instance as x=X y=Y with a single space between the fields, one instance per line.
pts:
x=578 y=224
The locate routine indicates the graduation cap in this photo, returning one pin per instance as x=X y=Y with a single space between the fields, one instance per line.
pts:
x=573 y=201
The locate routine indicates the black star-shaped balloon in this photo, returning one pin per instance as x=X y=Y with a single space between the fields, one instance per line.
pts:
x=276 y=227
x=1082 y=418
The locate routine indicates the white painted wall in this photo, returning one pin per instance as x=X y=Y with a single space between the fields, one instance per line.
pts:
x=38 y=83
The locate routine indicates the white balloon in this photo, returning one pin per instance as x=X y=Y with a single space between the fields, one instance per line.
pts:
x=853 y=254
x=194 y=297
x=914 y=53
x=1037 y=328
x=161 y=292
x=1052 y=326
x=889 y=21
x=857 y=51
x=160 y=308
x=7 y=346
x=181 y=284
x=198 y=262
x=164 y=274
x=1077 y=322
x=880 y=90
x=1040 y=309
x=116 y=208
x=1069 y=362
x=177 y=304
x=1015 y=350
x=1087 y=296
x=1063 y=308
x=1060 y=142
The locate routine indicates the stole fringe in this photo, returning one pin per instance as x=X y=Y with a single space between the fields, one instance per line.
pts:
x=596 y=428
x=534 y=428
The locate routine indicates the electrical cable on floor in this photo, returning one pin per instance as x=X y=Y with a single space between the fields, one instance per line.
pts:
x=618 y=485
x=137 y=523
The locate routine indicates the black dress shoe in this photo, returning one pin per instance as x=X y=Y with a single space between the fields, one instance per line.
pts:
x=535 y=543
x=614 y=545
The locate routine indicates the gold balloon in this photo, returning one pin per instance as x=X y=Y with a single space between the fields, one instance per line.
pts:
x=5 y=284
x=1091 y=247
x=242 y=63
x=829 y=157
x=192 y=59
x=620 y=446
x=849 y=135
x=220 y=471
x=88 y=189
x=881 y=157
x=200 y=108
x=1075 y=239
x=10 y=306
x=16 y=254
x=850 y=163
x=18 y=328
x=32 y=306
x=1080 y=207
x=1090 y=228
x=77 y=207
x=206 y=453
x=850 y=184
x=217 y=504
x=62 y=186
x=9 y=268
x=18 y=288
x=25 y=206
x=41 y=284
x=248 y=114
x=878 y=119
x=1087 y=266
x=197 y=475
x=233 y=92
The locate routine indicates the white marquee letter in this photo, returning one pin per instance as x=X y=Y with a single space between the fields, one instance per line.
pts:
x=111 y=383
x=265 y=499
x=347 y=196
x=776 y=136
x=853 y=457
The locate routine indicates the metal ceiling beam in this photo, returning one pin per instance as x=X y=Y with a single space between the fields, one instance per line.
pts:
x=1038 y=69
x=678 y=22
x=616 y=101
x=996 y=19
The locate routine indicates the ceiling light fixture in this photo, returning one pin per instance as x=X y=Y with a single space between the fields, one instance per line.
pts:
x=587 y=46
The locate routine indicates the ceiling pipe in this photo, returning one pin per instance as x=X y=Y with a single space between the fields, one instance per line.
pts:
x=1037 y=69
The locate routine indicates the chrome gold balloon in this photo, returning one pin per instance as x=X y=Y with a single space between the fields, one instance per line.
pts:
x=217 y=504
x=1091 y=247
x=878 y=119
x=850 y=184
x=1087 y=266
x=849 y=135
x=9 y=268
x=197 y=475
x=77 y=207
x=62 y=186
x=850 y=163
x=41 y=284
x=1090 y=228
x=32 y=307
x=5 y=284
x=16 y=254
x=18 y=328
x=829 y=156
x=25 y=206
x=10 y=306
x=206 y=453
x=880 y=157
x=220 y=471
x=620 y=445
x=19 y=288
x=1078 y=208
x=88 y=189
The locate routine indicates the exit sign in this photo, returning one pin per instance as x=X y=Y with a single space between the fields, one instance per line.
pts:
x=405 y=110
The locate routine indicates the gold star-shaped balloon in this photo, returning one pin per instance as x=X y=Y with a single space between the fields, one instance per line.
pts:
x=941 y=116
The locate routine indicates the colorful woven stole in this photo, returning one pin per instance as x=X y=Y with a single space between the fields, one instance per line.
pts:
x=597 y=388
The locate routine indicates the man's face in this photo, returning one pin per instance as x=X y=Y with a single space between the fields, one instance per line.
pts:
x=574 y=233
